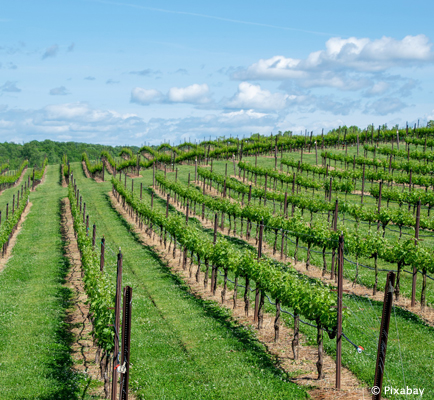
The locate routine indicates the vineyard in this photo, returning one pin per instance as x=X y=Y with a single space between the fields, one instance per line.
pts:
x=269 y=267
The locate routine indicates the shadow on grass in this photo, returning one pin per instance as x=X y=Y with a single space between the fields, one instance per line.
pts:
x=245 y=337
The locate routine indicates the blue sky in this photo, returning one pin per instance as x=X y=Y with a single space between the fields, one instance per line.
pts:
x=139 y=72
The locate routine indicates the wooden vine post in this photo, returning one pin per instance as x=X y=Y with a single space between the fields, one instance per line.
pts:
x=126 y=339
x=116 y=326
x=259 y=293
x=93 y=236
x=101 y=261
x=416 y=238
x=357 y=144
x=167 y=206
x=138 y=164
x=363 y=181
x=379 y=205
x=213 y=268
x=265 y=190
x=335 y=227
x=339 y=328
x=384 y=334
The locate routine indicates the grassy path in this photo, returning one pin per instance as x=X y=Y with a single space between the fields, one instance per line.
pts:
x=182 y=347
x=34 y=345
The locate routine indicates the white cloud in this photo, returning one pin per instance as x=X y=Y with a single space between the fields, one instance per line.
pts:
x=352 y=53
x=344 y=64
x=51 y=51
x=82 y=122
x=196 y=94
x=252 y=96
x=59 y=91
x=145 y=96
x=78 y=121
x=193 y=94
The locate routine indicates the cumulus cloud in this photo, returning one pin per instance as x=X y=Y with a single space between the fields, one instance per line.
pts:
x=145 y=96
x=59 y=91
x=345 y=64
x=253 y=97
x=51 y=51
x=352 y=53
x=72 y=121
x=234 y=123
x=10 y=87
x=193 y=94
x=384 y=106
x=250 y=96
x=81 y=122
x=196 y=94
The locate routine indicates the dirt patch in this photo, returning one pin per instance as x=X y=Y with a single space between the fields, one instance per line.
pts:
x=108 y=167
x=86 y=171
x=62 y=174
x=304 y=369
x=314 y=271
x=4 y=260
x=88 y=175
x=84 y=351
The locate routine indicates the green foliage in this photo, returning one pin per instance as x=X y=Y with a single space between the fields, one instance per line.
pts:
x=39 y=173
x=310 y=298
x=7 y=226
x=36 y=152
x=97 y=284
x=13 y=178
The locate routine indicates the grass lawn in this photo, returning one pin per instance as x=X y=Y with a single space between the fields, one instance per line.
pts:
x=34 y=342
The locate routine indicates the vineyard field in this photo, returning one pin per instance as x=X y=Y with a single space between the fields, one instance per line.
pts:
x=233 y=250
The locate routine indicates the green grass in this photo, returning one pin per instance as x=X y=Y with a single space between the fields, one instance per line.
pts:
x=182 y=347
x=34 y=342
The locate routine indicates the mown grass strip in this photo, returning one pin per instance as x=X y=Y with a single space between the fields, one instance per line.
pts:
x=34 y=342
